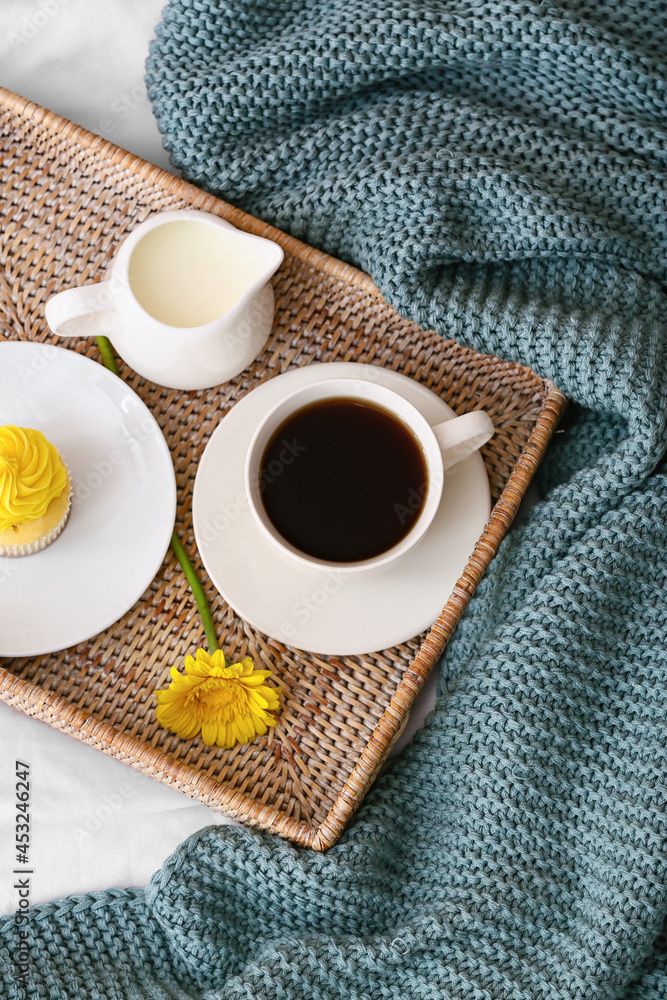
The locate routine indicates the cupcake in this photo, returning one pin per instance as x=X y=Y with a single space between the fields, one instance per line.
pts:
x=35 y=491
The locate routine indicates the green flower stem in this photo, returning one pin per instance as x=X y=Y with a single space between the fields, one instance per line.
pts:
x=197 y=590
x=176 y=547
x=108 y=356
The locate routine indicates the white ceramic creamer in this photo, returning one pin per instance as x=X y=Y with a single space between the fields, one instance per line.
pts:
x=187 y=302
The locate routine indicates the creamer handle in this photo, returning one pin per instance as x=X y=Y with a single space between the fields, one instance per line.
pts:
x=86 y=311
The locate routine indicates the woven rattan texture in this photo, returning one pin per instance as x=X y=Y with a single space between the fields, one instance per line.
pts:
x=67 y=200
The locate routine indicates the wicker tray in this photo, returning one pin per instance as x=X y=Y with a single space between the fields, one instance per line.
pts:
x=67 y=199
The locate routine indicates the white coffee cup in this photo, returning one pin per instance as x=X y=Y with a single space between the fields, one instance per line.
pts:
x=187 y=302
x=442 y=446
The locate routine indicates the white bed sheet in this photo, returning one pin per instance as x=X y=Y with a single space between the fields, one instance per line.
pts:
x=85 y=60
x=94 y=822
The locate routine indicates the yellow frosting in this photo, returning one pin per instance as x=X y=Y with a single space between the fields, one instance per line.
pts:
x=32 y=474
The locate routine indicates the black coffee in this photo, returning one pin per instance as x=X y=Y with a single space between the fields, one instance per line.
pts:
x=343 y=480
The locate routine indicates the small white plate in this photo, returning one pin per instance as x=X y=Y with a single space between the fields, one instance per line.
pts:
x=123 y=504
x=330 y=613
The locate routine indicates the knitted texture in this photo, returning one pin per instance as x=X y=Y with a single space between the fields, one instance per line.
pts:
x=499 y=168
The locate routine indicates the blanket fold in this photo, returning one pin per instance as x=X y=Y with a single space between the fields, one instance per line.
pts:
x=499 y=167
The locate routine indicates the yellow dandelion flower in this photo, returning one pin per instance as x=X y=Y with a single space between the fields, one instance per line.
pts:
x=227 y=704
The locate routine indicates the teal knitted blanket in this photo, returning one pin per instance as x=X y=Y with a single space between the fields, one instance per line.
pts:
x=500 y=168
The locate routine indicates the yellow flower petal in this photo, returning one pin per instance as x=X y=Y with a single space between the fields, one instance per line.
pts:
x=209 y=733
x=198 y=666
x=257 y=678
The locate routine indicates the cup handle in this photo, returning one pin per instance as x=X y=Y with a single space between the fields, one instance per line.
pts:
x=85 y=311
x=463 y=435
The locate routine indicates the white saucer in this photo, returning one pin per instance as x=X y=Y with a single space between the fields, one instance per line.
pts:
x=324 y=612
x=123 y=505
